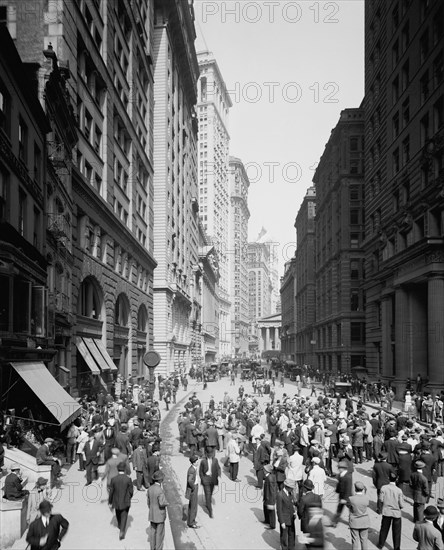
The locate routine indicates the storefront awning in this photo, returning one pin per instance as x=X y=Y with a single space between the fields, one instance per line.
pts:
x=98 y=357
x=106 y=355
x=58 y=402
x=86 y=354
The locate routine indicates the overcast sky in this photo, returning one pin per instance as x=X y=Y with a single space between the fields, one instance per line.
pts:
x=290 y=68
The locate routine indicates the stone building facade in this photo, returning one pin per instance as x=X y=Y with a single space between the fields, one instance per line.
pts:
x=176 y=192
x=239 y=215
x=404 y=200
x=339 y=327
x=305 y=280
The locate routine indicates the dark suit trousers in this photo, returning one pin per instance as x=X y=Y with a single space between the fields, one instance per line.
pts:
x=260 y=478
x=269 y=516
x=192 y=507
x=208 y=491
x=288 y=537
x=418 y=511
x=396 y=531
x=157 y=535
x=91 y=472
x=122 y=518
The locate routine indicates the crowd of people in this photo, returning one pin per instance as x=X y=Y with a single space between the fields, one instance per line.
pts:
x=297 y=446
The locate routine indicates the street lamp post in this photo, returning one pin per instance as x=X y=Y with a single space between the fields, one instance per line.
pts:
x=151 y=360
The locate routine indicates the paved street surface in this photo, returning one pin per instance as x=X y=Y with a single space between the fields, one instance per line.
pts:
x=237 y=506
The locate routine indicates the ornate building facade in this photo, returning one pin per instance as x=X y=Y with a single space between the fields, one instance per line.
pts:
x=213 y=104
x=305 y=279
x=176 y=235
x=288 y=311
x=105 y=50
x=404 y=199
x=239 y=215
x=339 y=231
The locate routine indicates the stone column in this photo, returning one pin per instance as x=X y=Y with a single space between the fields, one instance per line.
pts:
x=386 y=327
x=267 y=338
x=435 y=330
x=402 y=334
x=277 y=343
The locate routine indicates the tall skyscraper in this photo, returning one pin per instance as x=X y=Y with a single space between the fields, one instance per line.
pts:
x=339 y=230
x=214 y=196
x=404 y=198
x=305 y=280
x=239 y=215
x=176 y=205
x=101 y=211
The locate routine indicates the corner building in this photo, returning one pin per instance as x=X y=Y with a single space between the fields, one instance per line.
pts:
x=404 y=146
x=339 y=229
x=176 y=206
x=305 y=287
x=106 y=51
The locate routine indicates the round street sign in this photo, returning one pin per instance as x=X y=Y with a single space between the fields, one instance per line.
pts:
x=151 y=358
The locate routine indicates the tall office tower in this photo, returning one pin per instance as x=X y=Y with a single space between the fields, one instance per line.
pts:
x=259 y=284
x=103 y=200
x=239 y=215
x=214 y=196
x=267 y=240
x=404 y=198
x=305 y=279
x=339 y=229
x=176 y=236
x=288 y=311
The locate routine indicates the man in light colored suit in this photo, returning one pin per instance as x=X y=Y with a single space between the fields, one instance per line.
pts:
x=157 y=505
x=426 y=534
x=359 y=520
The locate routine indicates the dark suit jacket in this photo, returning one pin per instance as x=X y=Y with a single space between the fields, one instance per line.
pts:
x=430 y=465
x=344 y=487
x=308 y=500
x=420 y=487
x=381 y=473
x=12 y=488
x=43 y=455
x=56 y=529
x=91 y=452
x=284 y=508
x=153 y=464
x=270 y=490
x=191 y=480
x=123 y=443
x=212 y=479
x=211 y=436
x=120 y=492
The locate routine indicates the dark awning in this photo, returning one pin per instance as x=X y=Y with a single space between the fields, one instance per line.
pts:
x=86 y=354
x=58 y=402
x=105 y=355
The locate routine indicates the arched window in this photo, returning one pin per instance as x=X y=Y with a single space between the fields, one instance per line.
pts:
x=121 y=311
x=90 y=299
x=142 y=319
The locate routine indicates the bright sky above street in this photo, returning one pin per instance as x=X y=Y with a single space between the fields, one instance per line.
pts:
x=290 y=68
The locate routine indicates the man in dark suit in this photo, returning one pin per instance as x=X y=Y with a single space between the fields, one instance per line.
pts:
x=211 y=436
x=425 y=533
x=381 y=475
x=343 y=488
x=13 y=487
x=269 y=496
x=46 y=532
x=153 y=464
x=191 y=492
x=285 y=513
x=92 y=452
x=109 y=435
x=120 y=494
x=122 y=440
x=209 y=473
x=308 y=500
x=44 y=457
x=420 y=491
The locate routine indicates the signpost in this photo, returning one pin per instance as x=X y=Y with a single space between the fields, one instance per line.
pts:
x=151 y=360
